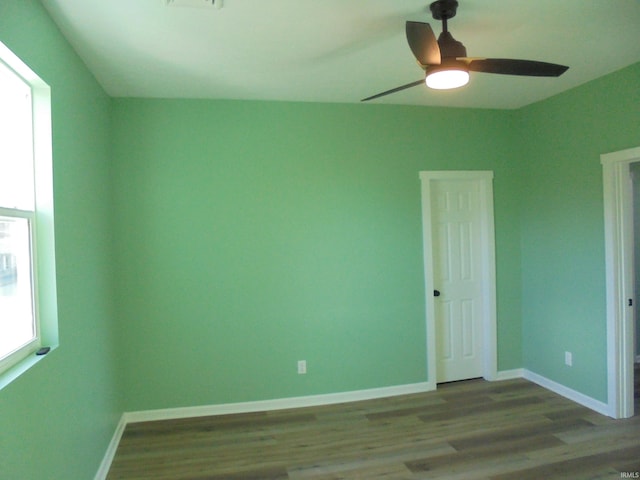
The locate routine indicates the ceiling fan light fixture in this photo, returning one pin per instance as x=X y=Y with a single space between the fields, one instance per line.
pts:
x=445 y=62
x=447 y=77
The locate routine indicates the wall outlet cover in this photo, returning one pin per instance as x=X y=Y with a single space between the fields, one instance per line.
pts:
x=302 y=367
x=568 y=359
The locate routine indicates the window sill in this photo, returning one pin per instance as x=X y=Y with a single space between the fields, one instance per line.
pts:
x=21 y=367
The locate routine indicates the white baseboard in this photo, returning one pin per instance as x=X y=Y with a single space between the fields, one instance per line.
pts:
x=581 y=398
x=276 y=404
x=105 y=465
x=508 y=374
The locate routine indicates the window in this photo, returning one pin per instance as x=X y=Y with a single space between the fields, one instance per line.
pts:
x=27 y=266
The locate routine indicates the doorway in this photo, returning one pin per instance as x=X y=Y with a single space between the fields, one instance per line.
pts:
x=634 y=170
x=459 y=263
x=620 y=272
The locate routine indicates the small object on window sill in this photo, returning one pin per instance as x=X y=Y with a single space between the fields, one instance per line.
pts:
x=43 y=351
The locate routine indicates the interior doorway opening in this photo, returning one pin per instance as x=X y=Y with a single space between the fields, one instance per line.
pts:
x=620 y=279
x=634 y=170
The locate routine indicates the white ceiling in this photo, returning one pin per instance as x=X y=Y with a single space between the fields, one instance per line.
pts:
x=340 y=50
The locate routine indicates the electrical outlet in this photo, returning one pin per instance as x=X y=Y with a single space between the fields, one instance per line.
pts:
x=302 y=367
x=568 y=359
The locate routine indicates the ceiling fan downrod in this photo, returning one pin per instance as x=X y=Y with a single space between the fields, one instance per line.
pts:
x=449 y=46
x=444 y=10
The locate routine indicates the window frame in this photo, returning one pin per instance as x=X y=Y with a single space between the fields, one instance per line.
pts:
x=41 y=226
x=35 y=343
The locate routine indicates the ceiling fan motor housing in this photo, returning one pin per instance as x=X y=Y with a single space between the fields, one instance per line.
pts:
x=450 y=47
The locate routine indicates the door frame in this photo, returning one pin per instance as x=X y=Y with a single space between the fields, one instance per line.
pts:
x=618 y=232
x=488 y=266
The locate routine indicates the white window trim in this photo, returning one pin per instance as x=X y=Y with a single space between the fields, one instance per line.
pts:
x=42 y=224
x=35 y=343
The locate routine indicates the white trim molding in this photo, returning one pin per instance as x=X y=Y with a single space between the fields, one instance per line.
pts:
x=509 y=374
x=618 y=231
x=277 y=404
x=489 y=314
x=105 y=465
x=569 y=393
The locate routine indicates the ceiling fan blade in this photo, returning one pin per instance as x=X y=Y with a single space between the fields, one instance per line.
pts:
x=423 y=43
x=394 y=90
x=506 y=66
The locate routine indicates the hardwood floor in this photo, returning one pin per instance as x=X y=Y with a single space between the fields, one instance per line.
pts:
x=465 y=430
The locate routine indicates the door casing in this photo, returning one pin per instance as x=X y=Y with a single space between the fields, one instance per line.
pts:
x=488 y=273
x=618 y=230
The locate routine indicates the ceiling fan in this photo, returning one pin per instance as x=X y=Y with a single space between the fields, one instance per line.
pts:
x=445 y=60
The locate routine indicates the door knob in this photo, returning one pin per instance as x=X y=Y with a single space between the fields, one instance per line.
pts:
x=436 y=293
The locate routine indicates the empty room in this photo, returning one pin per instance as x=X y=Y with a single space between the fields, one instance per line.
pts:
x=244 y=239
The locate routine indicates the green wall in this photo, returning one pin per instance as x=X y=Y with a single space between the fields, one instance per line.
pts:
x=254 y=234
x=563 y=266
x=57 y=419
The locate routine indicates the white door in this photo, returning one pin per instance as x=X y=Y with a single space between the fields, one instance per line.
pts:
x=461 y=284
x=456 y=274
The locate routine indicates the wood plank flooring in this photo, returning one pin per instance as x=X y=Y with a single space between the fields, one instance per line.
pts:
x=465 y=430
